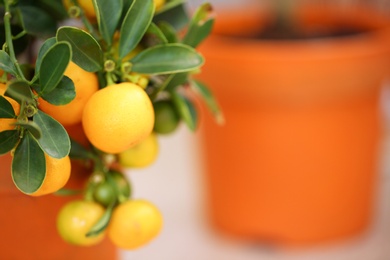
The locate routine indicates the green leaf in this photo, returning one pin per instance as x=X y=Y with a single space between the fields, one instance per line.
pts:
x=134 y=25
x=54 y=8
x=37 y=22
x=42 y=51
x=20 y=91
x=6 y=109
x=6 y=64
x=55 y=140
x=32 y=127
x=28 y=165
x=156 y=33
x=108 y=13
x=8 y=140
x=200 y=26
x=77 y=151
x=176 y=16
x=63 y=94
x=166 y=59
x=169 y=5
x=102 y=223
x=177 y=80
x=68 y=192
x=168 y=31
x=186 y=110
x=209 y=99
x=53 y=66
x=86 y=51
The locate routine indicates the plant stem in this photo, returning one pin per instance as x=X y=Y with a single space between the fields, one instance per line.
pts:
x=8 y=38
x=86 y=22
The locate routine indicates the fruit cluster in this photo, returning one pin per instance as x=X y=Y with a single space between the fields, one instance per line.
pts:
x=98 y=95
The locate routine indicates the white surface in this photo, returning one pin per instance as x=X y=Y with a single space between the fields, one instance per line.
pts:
x=174 y=183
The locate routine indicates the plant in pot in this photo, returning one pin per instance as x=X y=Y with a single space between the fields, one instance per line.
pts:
x=296 y=162
x=89 y=103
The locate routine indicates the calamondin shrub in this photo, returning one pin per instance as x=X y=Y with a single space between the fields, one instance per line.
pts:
x=101 y=93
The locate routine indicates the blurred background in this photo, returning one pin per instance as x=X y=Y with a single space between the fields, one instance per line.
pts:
x=177 y=184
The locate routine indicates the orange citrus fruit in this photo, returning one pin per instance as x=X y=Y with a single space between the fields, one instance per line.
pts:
x=117 y=117
x=76 y=219
x=86 y=84
x=86 y=5
x=7 y=123
x=134 y=223
x=57 y=175
x=142 y=154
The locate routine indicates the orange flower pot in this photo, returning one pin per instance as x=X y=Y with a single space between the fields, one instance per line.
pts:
x=296 y=162
x=28 y=224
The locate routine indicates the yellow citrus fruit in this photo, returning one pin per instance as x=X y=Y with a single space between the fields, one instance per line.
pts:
x=86 y=84
x=57 y=175
x=158 y=4
x=86 y=5
x=7 y=123
x=76 y=219
x=134 y=223
x=142 y=154
x=117 y=117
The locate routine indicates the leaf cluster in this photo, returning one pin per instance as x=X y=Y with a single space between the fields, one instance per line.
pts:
x=167 y=40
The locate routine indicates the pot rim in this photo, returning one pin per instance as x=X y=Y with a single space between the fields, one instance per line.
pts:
x=376 y=41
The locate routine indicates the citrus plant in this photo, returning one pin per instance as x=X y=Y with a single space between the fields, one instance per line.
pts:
x=99 y=92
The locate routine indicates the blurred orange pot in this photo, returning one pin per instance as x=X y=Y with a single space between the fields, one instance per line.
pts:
x=28 y=224
x=296 y=162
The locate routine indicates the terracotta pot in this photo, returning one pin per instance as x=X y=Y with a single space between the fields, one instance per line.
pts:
x=28 y=224
x=296 y=161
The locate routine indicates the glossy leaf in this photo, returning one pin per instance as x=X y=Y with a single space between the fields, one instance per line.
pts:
x=28 y=165
x=20 y=91
x=125 y=8
x=53 y=66
x=156 y=33
x=200 y=26
x=176 y=16
x=86 y=51
x=68 y=192
x=134 y=25
x=209 y=99
x=177 y=80
x=55 y=140
x=6 y=64
x=54 y=8
x=166 y=59
x=6 y=109
x=169 y=5
x=63 y=94
x=32 y=127
x=42 y=51
x=186 y=110
x=169 y=32
x=37 y=22
x=108 y=13
x=8 y=140
x=102 y=223
x=77 y=151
